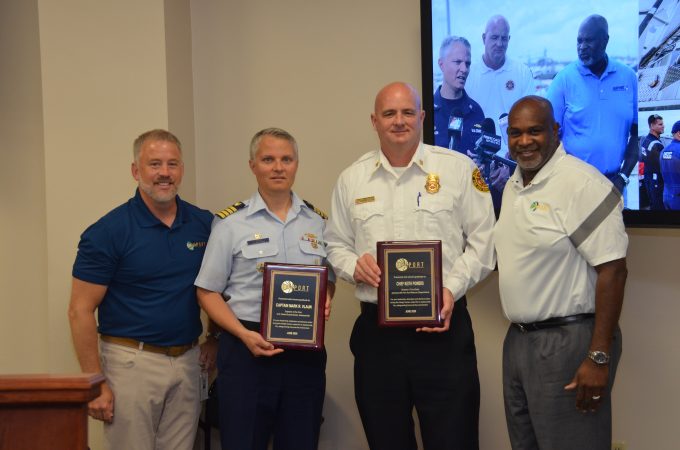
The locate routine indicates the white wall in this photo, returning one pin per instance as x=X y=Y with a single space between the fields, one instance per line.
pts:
x=23 y=254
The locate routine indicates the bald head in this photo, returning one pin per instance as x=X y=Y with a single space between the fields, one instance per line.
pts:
x=397 y=88
x=597 y=23
x=398 y=120
x=592 y=39
x=541 y=108
x=496 y=37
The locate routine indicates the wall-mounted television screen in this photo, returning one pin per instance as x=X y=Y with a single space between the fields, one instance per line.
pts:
x=478 y=58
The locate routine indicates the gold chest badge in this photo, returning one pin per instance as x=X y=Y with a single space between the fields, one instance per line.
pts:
x=311 y=237
x=432 y=183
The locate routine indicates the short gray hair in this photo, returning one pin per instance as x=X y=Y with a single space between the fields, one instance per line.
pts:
x=273 y=132
x=449 y=41
x=154 y=135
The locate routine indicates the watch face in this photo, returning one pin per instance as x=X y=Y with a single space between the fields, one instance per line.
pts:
x=599 y=357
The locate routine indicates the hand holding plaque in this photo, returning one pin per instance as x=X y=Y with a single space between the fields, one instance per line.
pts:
x=410 y=290
x=293 y=302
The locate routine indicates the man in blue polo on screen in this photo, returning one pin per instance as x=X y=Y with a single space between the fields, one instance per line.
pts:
x=595 y=103
x=670 y=170
x=457 y=117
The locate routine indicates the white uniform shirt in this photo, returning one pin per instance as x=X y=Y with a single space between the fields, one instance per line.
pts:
x=242 y=242
x=497 y=90
x=372 y=203
x=542 y=273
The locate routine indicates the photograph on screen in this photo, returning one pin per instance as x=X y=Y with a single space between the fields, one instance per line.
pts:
x=486 y=55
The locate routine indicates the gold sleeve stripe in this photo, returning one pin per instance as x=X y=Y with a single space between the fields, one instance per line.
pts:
x=230 y=210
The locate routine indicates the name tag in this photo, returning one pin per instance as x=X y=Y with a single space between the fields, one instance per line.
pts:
x=620 y=88
x=257 y=241
x=360 y=201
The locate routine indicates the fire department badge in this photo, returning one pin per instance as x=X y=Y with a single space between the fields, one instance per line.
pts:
x=432 y=183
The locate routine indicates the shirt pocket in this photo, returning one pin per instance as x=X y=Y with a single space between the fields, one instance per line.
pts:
x=434 y=215
x=312 y=248
x=370 y=219
x=259 y=250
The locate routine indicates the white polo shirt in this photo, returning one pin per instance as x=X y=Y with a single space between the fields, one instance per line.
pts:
x=374 y=202
x=550 y=235
x=497 y=90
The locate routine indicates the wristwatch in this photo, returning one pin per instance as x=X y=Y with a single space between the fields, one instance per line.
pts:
x=626 y=179
x=598 y=357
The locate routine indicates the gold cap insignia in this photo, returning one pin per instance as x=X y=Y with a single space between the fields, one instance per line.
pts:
x=432 y=183
x=478 y=181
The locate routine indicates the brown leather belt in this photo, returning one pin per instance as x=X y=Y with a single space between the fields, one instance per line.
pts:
x=172 y=350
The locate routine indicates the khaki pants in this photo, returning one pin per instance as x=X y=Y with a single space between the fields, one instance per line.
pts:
x=156 y=398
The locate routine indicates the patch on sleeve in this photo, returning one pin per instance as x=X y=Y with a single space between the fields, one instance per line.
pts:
x=478 y=181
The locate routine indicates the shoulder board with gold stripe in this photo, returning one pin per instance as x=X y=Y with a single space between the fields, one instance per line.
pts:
x=316 y=210
x=231 y=210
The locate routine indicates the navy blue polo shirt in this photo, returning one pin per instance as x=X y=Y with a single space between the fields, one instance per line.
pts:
x=149 y=270
x=473 y=116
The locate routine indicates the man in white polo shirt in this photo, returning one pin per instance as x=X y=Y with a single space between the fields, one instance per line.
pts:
x=496 y=81
x=561 y=247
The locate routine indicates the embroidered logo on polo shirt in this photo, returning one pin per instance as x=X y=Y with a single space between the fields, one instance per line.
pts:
x=510 y=85
x=192 y=245
x=620 y=88
x=538 y=206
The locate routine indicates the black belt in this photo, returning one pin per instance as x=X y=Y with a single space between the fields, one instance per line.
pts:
x=552 y=322
x=252 y=326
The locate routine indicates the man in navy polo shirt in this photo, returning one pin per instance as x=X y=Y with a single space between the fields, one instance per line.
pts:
x=136 y=266
x=450 y=99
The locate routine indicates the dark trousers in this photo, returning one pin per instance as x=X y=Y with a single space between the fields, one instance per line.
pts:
x=397 y=369
x=540 y=414
x=654 y=192
x=260 y=397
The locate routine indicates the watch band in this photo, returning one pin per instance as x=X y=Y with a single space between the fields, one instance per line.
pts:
x=599 y=357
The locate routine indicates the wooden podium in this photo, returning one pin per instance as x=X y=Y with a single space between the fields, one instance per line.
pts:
x=46 y=411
